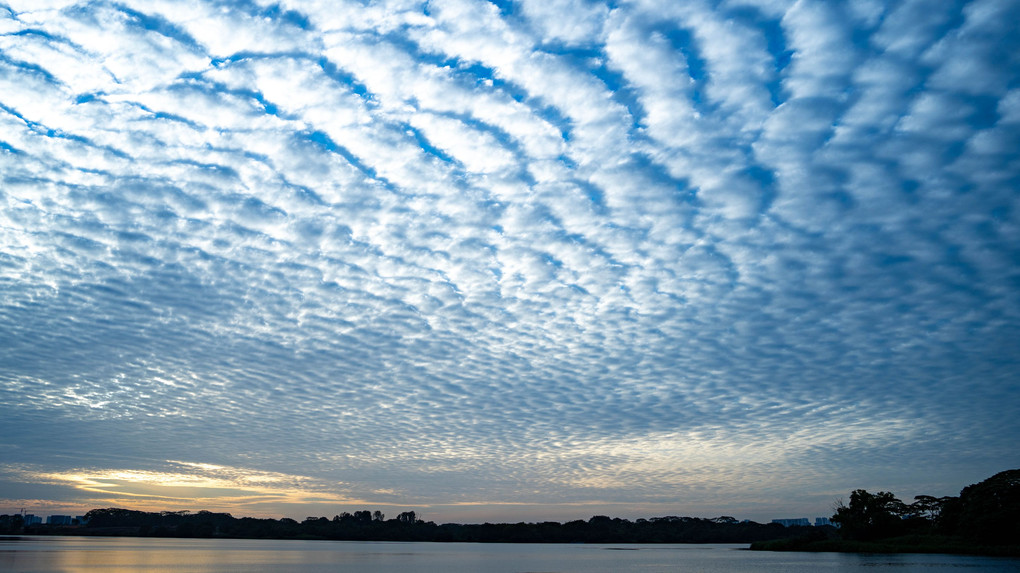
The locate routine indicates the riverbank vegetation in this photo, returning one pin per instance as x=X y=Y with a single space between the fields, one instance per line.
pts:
x=983 y=520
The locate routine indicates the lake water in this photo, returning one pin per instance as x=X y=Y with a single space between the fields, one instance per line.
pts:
x=93 y=554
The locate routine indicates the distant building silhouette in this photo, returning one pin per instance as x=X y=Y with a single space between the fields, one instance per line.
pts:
x=792 y=522
x=32 y=519
x=820 y=521
x=58 y=520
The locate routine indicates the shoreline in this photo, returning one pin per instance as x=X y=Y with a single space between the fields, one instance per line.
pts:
x=938 y=545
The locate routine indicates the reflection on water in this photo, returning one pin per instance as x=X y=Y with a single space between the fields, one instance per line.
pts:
x=92 y=554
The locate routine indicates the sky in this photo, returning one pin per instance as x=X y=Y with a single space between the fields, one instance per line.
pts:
x=506 y=261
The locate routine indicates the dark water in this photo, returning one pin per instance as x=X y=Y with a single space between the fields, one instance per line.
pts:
x=94 y=554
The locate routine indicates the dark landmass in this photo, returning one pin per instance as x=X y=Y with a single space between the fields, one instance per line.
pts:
x=372 y=526
x=983 y=520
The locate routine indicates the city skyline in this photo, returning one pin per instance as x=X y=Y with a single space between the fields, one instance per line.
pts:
x=506 y=261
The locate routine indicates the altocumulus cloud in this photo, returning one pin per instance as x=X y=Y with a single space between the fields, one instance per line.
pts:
x=539 y=259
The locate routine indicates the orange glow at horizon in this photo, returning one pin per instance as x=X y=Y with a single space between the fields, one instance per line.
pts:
x=186 y=485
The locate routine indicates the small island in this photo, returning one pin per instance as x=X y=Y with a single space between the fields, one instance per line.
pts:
x=983 y=520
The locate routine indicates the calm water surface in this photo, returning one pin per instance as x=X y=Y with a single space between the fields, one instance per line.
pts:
x=92 y=554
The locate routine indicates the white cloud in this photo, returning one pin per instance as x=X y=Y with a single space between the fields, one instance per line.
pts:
x=573 y=22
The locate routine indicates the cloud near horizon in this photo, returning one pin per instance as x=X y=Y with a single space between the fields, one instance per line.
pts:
x=696 y=258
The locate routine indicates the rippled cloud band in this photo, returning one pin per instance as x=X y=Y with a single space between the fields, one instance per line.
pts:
x=510 y=259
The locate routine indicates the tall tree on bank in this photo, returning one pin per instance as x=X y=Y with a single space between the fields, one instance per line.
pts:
x=869 y=516
x=986 y=512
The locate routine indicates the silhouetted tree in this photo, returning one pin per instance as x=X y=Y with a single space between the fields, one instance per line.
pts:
x=870 y=516
x=986 y=512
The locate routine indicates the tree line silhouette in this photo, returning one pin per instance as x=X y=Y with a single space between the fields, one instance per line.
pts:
x=988 y=511
x=984 y=518
x=986 y=514
x=407 y=526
